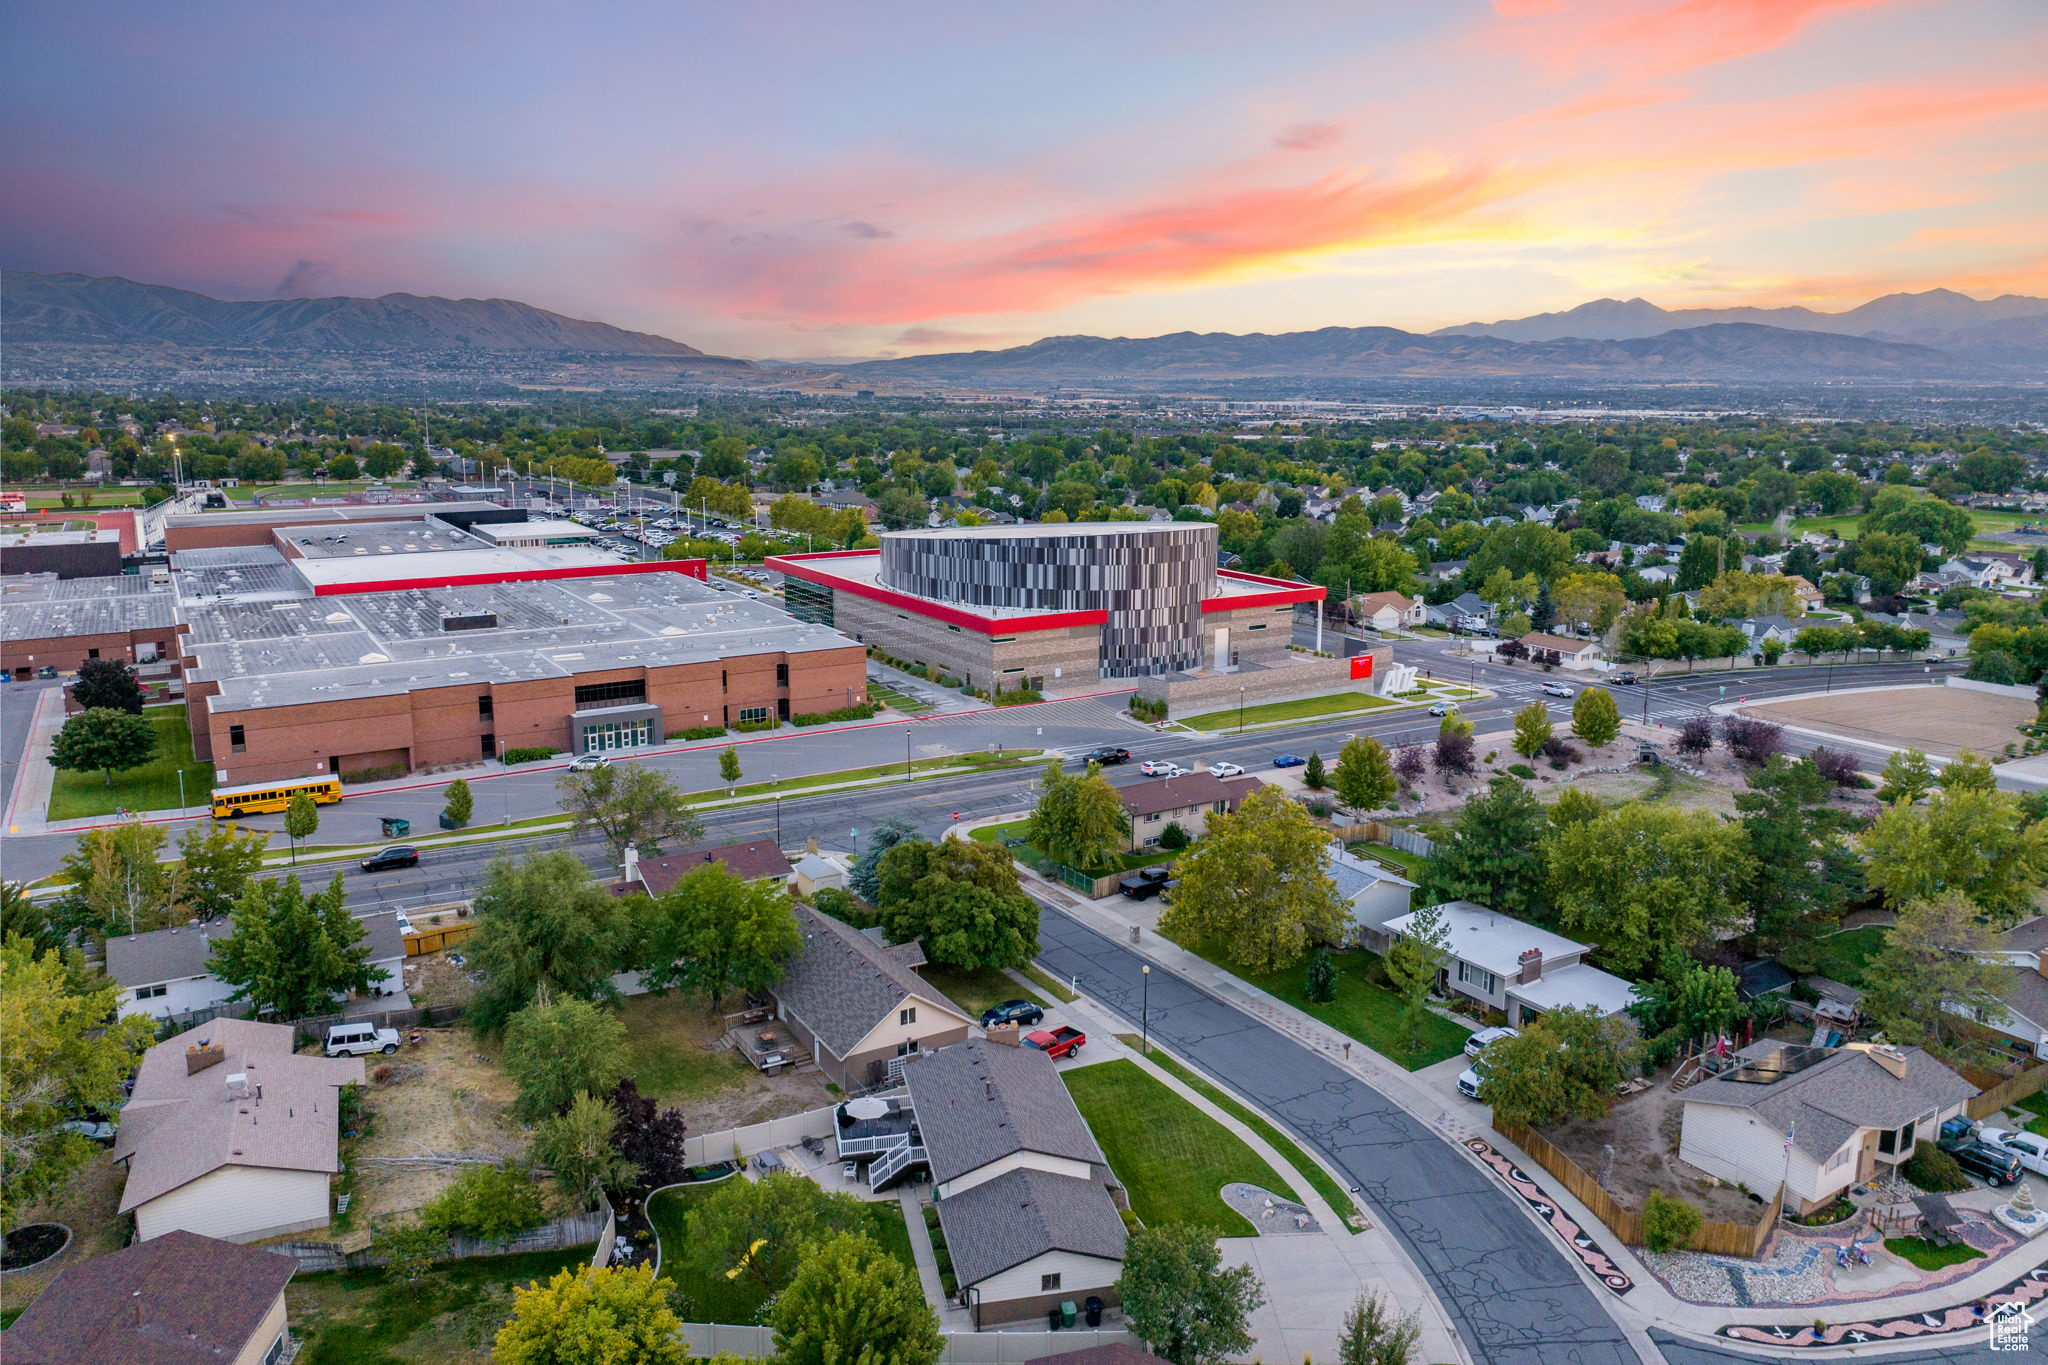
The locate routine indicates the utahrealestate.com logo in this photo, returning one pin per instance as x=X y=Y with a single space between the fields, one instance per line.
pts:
x=2012 y=1328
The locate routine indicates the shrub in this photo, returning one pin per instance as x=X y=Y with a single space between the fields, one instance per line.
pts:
x=1934 y=1170
x=383 y=774
x=1523 y=771
x=1560 y=751
x=840 y=905
x=748 y=727
x=1837 y=767
x=1321 y=983
x=1022 y=696
x=1319 y=809
x=861 y=712
x=1173 y=838
x=1696 y=735
x=1669 y=1224
x=1753 y=742
x=1411 y=763
x=697 y=732
x=1151 y=711
x=534 y=755
x=485 y=1202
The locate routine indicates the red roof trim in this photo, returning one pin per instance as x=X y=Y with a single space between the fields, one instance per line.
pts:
x=1287 y=592
x=795 y=567
x=695 y=568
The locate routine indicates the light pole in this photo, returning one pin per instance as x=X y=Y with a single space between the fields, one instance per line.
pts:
x=1145 y=1012
x=906 y=753
x=1240 y=710
x=181 y=790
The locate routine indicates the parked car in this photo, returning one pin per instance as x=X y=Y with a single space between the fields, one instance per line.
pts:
x=1158 y=767
x=1996 y=1165
x=1468 y=1079
x=398 y=855
x=1013 y=1012
x=1444 y=708
x=403 y=920
x=1288 y=760
x=2030 y=1148
x=360 y=1040
x=1225 y=770
x=94 y=1130
x=1556 y=689
x=1106 y=756
x=589 y=763
x=1145 y=883
x=1486 y=1038
x=1625 y=679
x=1056 y=1042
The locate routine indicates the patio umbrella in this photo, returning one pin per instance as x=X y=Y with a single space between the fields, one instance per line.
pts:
x=867 y=1107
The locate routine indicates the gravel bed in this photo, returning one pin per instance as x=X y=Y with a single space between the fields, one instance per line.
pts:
x=1268 y=1212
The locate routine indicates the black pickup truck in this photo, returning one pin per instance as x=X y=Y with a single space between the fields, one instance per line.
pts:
x=1144 y=883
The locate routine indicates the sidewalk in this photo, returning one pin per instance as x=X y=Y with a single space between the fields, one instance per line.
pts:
x=34 y=776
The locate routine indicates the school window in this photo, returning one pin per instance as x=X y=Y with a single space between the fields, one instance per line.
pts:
x=954 y=629
x=1260 y=626
x=1008 y=671
x=589 y=694
x=1003 y=640
x=750 y=715
x=237 y=740
x=1048 y=1283
x=907 y=1016
x=782 y=675
x=92 y=654
x=150 y=992
x=483 y=708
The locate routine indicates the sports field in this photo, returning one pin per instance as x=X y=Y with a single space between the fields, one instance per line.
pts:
x=1934 y=720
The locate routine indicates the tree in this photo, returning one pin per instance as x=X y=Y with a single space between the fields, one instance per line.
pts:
x=714 y=934
x=1888 y=561
x=107 y=685
x=409 y=1252
x=1454 y=746
x=22 y=918
x=292 y=955
x=863 y=877
x=1180 y=1300
x=116 y=884
x=1687 y=1001
x=729 y=765
x=853 y=1301
x=627 y=804
x=1312 y=775
x=1173 y=838
x=301 y=818
x=593 y=1315
x=578 y=1146
x=1595 y=717
x=1967 y=772
x=219 y=864
x=1493 y=854
x=1907 y=776
x=1320 y=985
x=1259 y=885
x=62 y=1057
x=1669 y=1223
x=1807 y=870
x=1574 y=807
x=103 y=741
x=460 y=803
x=1750 y=741
x=1078 y=820
x=1412 y=964
x=1564 y=1065
x=1374 y=1335
x=1695 y=734
x=543 y=922
x=764 y=1228
x=650 y=1137
x=1979 y=844
x=1916 y=516
x=1365 y=776
x=1532 y=729
x=1643 y=878
x=1937 y=975
x=560 y=1047
x=962 y=900
x=1411 y=763
x=1543 y=611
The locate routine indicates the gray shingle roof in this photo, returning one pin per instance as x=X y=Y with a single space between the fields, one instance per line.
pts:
x=978 y=1102
x=175 y=954
x=1843 y=1092
x=1025 y=1213
x=845 y=982
x=1183 y=793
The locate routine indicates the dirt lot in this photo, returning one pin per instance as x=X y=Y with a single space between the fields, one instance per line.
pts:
x=1935 y=720
x=680 y=1057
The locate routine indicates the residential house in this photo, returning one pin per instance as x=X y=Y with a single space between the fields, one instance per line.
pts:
x=163 y=973
x=1571 y=653
x=1467 y=610
x=2024 y=1025
x=1817 y=1119
x=1808 y=596
x=1320 y=509
x=1022 y=1188
x=1758 y=629
x=1187 y=801
x=1650 y=502
x=1988 y=569
x=857 y=1001
x=1657 y=573
x=1516 y=968
x=179 y=1299
x=1386 y=610
x=230 y=1133
x=756 y=860
x=1377 y=894
x=815 y=872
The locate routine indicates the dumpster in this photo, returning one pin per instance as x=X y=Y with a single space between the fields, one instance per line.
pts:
x=1067 y=1314
x=394 y=828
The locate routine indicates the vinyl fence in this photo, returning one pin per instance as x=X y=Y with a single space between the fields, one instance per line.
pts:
x=313 y=1029
x=759 y=1137
x=961 y=1348
x=1722 y=1239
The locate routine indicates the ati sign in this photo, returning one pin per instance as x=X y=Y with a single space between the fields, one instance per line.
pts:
x=1361 y=666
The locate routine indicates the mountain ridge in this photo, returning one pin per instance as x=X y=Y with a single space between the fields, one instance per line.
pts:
x=1929 y=317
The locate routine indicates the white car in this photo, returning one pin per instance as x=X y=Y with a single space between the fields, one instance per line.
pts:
x=1225 y=770
x=1468 y=1081
x=1486 y=1038
x=2030 y=1148
x=403 y=920
x=1552 y=689
x=1444 y=708
x=1158 y=767
x=589 y=763
x=360 y=1039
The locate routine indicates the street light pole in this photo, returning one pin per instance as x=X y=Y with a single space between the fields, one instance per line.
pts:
x=1145 y=1013
x=1240 y=710
x=906 y=753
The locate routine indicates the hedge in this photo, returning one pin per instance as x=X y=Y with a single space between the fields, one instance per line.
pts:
x=748 y=727
x=529 y=755
x=699 y=732
x=861 y=712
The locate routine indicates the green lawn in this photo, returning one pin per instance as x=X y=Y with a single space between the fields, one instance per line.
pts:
x=1409 y=865
x=713 y=1298
x=1047 y=982
x=1171 y=1157
x=312 y=490
x=353 y=1317
x=1031 y=857
x=1326 y=1184
x=1843 y=956
x=974 y=762
x=101 y=497
x=2035 y=1104
x=1369 y=1013
x=665 y=1059
x=1336 y=704
x=895 y=700
x=977 y=989
x=153 y=786
x=1927 y=1255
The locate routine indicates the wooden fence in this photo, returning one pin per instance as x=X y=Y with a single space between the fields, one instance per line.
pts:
x=432 y=938
x=1722 y=1239
x=2002 y=1090
x=1380 y=832
x=599 y=1226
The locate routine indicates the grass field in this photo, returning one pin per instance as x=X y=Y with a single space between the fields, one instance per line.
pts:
x=1369 y=1013
x=310 y=490
x=1410 y=865
x=354 y=1317
x=1336 y=704
x=664 y=1054
x=101 y=497
x=1170 y=1156
x=1847 y=525
x=2036 y=1107
x=153 y=786
x=1843 y=956
x=976 y=762
x=1929 y=1256
x=974 y=990
x=713 y=1298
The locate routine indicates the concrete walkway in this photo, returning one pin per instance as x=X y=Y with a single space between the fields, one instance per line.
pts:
x=29 y=804
x=912 y=1203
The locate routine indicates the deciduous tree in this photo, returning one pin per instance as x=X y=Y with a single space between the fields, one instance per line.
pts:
x=107 y=685
x=1564 y=1065
x=1180 y=1299
x=1532 y=729
x=1977 y=844
x=1453 y=754
x=650 y=1137
x=1413 y=961
x=1595 y=717
x=293 y=955
x=1375 y=1334
x=219 y=863
x=560 y=1047
x=713 y=934
x=1258 y=885
x=301 y=819
x=1365 y=776
x=627 y=803
x=1937 y=973
x=116 y=884
x=1078 y=820
x=1907 y=776
x=593 y=1315
x=1643 y=878
x=459 y=804
x=764 y=1228
x=579 y=1146
x=103 y=741
x=543 y=922
x=962 y=899
x=729 y=765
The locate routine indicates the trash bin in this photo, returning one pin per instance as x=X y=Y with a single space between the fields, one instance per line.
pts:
x=448 y=821
x=395 y=828
x=1052 y=1317
x=1093 y=1309
x=1067 y=1314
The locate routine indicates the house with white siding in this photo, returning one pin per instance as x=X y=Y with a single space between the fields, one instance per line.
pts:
x=163 y=973
x=1818 y=1119
x=1516 y=968
x=1377 y=894
x=231 y=1134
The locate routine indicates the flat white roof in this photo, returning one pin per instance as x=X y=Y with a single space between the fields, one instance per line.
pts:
x=1575 y=987
x=1487 y=938
x=529 y=530
x=399 y=568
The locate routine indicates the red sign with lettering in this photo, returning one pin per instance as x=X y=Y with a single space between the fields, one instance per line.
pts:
x=1361 y=666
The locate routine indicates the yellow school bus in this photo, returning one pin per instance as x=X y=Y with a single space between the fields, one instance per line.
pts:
x=257 y=797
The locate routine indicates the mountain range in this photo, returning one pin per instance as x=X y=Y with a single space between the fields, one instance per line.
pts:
x=1936 y=317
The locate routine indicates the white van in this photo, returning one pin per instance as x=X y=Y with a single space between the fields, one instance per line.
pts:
x=360 y=1039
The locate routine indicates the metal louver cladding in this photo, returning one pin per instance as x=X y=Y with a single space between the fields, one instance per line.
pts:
x=1150 y=580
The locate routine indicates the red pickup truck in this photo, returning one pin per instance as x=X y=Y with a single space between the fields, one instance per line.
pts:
x=1056 y=1042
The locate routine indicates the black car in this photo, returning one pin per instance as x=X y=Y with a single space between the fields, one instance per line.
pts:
x=1625 y=679
x=1145 y=883
x=1998 y=1166
x=1019 y=1012
x=384 y=859
x=1106 y=756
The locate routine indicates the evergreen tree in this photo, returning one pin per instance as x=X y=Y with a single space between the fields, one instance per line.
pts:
x=293 y=955
x=1543 y=614
x=1312 y=774
x=1494 y=854
x=1412 y=963
x=1320 y=985
x=863 y=879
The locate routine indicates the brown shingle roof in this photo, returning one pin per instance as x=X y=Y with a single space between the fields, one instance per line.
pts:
x=1182 y=793
x=752 y=861
x=844 y=981
x=179 y=1299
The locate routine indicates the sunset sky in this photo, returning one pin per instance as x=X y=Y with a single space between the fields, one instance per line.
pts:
x=831 y=179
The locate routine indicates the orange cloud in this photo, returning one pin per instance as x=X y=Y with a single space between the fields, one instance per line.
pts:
x=1664 y=39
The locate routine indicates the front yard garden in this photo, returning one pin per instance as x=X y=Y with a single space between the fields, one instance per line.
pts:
x=1930 y=1255
x=153 y=786
x=1171 y=1157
